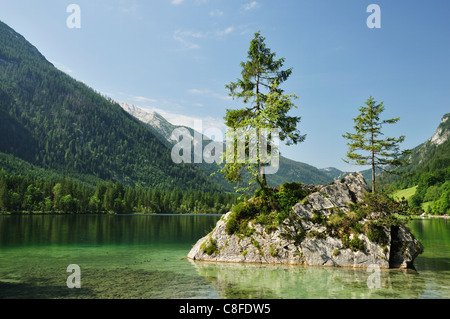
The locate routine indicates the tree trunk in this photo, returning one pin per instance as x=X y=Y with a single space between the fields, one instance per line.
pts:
x=263 y=175
x=373 y=174
x=373 y=153
x=263 y=181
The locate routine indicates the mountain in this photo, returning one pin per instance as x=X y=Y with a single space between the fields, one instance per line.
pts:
x=429 y=170
x=293 y=171
x=334 y=173
x=56 y=123
x=435 y=148
x=433 y=154
x=442 y=134
x=290 y=171
x=155 y=122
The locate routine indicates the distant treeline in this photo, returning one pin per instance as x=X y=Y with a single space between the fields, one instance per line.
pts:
x=434 y=187
x=19 y=194
x=432 y=176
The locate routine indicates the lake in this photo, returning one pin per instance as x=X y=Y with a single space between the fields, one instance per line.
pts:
x=144 y=256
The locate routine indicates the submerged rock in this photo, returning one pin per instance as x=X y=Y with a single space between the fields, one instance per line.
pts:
x=302 y=239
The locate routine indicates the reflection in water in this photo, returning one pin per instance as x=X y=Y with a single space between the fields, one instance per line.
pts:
x=292 y=282
x=430 y=279
x=145 y=257
x=102 y=229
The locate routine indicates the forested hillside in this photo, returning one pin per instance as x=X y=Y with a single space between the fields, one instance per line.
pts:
x=59 y=124
x=430 y=171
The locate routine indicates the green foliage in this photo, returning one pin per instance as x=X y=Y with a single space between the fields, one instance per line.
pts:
x=393 y=212
x=232 y=225
x=345 y=223
x=375 y=233
x=273 y=252
x=429 y=170
x=267 y=109
x=390 y=212
x=336 y=252
x=316 y=234
x=319 y=218
x=65 y=195
x=269 y=207
x=379 y=153
x=245 y=210
x=256 y=244
x=290 y=194
x=433 y=187
x=209 y=246
x=426 y=159
x=60 y=125
x=354 y=244
x=442 y=205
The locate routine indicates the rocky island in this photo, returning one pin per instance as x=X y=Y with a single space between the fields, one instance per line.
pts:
x=340 y=224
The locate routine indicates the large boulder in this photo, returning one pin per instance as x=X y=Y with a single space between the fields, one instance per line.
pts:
x=303 y=240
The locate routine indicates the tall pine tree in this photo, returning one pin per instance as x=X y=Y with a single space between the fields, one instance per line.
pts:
x=378 y=153
x=266 y=108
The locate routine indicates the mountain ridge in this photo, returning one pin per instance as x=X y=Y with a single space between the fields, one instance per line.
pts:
x=60 y=124
x=434 y=152
x=290 y=170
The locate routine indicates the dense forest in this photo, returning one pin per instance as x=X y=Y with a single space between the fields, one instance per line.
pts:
x=67 y=149
x=429 y=170
x=19 y=194
x=55 y=122
x=433 y=182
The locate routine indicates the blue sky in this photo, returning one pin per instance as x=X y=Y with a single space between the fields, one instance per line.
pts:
x=175 y=57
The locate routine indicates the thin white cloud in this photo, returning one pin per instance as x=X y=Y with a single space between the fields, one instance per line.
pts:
x=141 y=99
x=126 y=7
x=133 y=8
x=209 y=93
x=225 y=32
x=216 y=13
x=199 y=91
x=250 y=6
x=196 y=2
x=186 y=38
x=180 y=37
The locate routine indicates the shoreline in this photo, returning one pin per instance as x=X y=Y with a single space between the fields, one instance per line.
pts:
x=430 y=216
x=142 y=214
x=106 y=214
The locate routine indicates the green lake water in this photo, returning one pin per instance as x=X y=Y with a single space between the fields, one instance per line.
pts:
x=144 y=256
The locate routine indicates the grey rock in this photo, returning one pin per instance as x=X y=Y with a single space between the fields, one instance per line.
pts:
x=404 y=248
x=338 y=193
x=317 y=247
x=303 y=211
x=357 y=185
x=319 y=202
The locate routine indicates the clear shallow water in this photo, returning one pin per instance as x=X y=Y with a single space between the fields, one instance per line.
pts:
x=145 y=257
